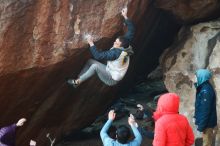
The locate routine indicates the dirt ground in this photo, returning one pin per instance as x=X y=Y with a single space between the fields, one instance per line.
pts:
x=94 y=139
x=97 y=142
x=144 y=94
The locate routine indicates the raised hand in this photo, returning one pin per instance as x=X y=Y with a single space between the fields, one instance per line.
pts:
x=131 y=121
x=140 y=107
x=21 y=122
x=32 y=143
x=90 y=40
x=111 y=115
x=124 y=12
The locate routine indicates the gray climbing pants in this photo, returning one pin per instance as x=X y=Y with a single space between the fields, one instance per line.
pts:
x=94 y=67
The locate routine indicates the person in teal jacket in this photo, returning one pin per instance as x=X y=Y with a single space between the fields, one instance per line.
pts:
x=205 y=106
x=122 y=133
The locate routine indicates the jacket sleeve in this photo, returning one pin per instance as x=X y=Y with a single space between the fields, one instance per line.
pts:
x=159 y=135
x=103 y=134
x=190 y=136
x=2 y=132
x=111 y=54
x=131 y=30
x=7 y=130
x=138 y=137
x=204 y=110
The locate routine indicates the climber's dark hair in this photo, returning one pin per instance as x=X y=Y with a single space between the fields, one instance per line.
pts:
x=124 y=42
x=123 y=134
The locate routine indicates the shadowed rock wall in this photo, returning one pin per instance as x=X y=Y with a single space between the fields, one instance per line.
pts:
x=41 y=43
x=191 y=11
x=196 y=47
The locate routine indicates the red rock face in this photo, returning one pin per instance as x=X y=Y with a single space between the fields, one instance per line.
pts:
x=41 y=43
x=190 y=10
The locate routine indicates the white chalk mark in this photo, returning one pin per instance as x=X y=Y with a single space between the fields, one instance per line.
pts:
x=76 y=25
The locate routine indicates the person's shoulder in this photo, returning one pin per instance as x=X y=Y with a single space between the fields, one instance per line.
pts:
x=206 y=85
x=163 y=119
x=116 y=50
x=183 y=117
x=207 y=89
x=168 y=118
x=109 y=141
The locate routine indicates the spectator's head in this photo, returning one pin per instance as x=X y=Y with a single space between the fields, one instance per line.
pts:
x=112 y=132
x=121 y=42
x=202 y=75
x=167 y=103
x=123 y=134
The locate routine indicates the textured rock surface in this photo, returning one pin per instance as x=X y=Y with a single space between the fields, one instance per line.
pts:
x=41 y=43
x=196 y=47
x=190 y=10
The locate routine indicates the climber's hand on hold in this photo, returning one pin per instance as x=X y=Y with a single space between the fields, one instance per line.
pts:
x=124 y=12
x=90 y=40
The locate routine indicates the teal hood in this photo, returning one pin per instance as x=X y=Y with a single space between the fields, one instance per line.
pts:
x=202 y=75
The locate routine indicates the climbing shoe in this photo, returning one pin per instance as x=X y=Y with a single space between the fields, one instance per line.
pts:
x=73 y=83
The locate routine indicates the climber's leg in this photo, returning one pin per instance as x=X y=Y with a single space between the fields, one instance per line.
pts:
x=94 y=67
x=76 y=82
x=100 y=70
x=87 y=65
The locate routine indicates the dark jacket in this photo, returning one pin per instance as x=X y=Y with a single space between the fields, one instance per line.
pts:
x=205 y=104
x=7 y=135
x=113 y=53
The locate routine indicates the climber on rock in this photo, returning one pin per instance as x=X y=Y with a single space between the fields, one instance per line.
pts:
x=7 y=134
x=117 y=58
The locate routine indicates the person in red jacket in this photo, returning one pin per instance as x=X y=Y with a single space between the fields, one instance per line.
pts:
x=171 y=128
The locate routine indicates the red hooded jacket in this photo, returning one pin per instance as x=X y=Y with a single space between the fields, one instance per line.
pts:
x=171 y=128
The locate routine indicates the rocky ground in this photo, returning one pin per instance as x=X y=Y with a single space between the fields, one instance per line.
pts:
x=144 y=93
